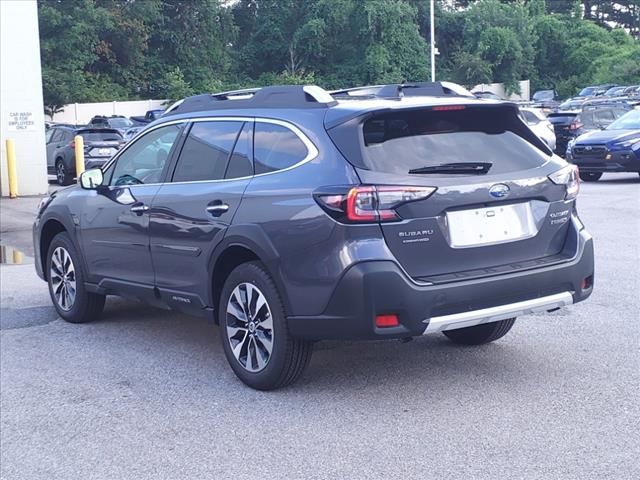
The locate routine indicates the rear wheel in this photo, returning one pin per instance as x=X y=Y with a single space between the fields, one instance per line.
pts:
x=66 y=283
x=63 y=176
x=479 y=334
x=254 y=332
x=590 y=176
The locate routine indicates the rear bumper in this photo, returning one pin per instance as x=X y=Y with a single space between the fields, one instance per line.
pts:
x=620 y=161
x=94 y=162
x=374 y=288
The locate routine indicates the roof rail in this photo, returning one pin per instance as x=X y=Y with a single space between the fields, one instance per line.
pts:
x=281 y=96
x=397 y=91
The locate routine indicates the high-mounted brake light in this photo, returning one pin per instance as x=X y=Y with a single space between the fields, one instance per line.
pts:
x=569 y=177
x=368 y=203
x=442 y=108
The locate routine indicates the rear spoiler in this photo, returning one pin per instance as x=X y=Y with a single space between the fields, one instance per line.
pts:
x=98 y=130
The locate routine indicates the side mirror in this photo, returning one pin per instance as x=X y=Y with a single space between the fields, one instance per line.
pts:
x=91 y=179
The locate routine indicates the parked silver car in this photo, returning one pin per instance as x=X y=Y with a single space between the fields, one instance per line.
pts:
x=540 y=125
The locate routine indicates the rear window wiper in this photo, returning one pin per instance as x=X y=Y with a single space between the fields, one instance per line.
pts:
x=478 y=168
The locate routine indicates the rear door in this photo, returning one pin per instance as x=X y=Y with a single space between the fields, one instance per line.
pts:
x=53 y=144
x=482 y=222
x=190 y=214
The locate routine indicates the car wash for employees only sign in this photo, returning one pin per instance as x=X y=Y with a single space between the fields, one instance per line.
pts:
x=21 y=121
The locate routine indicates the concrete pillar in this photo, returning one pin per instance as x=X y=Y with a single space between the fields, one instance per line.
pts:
x=21 y=104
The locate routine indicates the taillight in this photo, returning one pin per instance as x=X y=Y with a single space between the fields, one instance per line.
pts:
x=368 y=203
x=569 y=177
x=575 y=126
x=72 y=144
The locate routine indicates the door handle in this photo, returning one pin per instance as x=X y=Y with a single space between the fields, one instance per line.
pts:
x=217 y=209
x=139 y=208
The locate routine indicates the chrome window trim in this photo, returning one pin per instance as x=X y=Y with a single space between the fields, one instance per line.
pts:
x=312 y=150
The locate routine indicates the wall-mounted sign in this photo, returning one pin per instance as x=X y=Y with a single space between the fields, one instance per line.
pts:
x=21 y=121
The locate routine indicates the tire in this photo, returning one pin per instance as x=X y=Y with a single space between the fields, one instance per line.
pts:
x=590 y=176
x=63 y=175
x=265 y=326
x=480 y=334
x=63 y=262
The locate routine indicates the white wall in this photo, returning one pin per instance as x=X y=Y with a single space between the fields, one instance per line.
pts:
x=81 y=113
x=21 y=92
x=498 y=89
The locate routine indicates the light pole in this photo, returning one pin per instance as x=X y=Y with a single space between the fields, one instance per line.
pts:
x=433 y=44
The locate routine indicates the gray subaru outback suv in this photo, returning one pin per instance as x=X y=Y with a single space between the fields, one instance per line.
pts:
x=290 y=214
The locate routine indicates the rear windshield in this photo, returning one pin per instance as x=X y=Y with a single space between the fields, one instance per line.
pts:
x=101 y=136
x=399 y=142
x=556 y=118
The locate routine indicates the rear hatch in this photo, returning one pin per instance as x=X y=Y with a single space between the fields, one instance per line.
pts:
x=562 y=125
x=493 y=208
x=101 y=142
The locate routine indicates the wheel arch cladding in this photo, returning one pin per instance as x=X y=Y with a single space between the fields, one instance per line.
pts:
x=230 y=258
x=50 y=229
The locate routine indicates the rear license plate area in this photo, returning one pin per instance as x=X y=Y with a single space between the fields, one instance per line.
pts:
x=490 y=225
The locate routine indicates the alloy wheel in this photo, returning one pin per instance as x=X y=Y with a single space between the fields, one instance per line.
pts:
x=63 y=278
x=60 y=173
x=249 y=327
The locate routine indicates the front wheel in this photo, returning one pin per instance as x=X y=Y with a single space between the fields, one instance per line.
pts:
x=66 y=283
x=254 y=331
x=480 y=334
x=590 y=176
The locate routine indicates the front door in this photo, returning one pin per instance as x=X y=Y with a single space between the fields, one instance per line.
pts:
x=191 y=212
x=115 y=220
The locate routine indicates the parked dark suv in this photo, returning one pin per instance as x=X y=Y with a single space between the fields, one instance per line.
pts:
x=290 y=215
x=100 y=144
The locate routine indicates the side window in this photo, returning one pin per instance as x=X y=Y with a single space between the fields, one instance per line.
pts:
x=603 y=117
x=206 y=151
x=145 y=159
x=240 y=162
x=48 y=134
x=530 y=118
x=276 y=147
x=57 y=136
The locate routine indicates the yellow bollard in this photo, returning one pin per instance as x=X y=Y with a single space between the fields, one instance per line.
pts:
x=79 y=146
x=17 y=257
x=11 y=169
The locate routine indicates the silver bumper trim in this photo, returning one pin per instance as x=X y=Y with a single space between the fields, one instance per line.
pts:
x=494 y=314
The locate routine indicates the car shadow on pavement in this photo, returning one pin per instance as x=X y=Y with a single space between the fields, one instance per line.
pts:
x=426 y=362
x=621 y=181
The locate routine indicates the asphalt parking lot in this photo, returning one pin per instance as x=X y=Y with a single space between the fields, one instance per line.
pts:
x=147 y=394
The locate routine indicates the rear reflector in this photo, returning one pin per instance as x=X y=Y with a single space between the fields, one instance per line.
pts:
x=587 y=283
x=386 y=321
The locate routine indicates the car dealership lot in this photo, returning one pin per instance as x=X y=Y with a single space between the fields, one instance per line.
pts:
x=145 y=393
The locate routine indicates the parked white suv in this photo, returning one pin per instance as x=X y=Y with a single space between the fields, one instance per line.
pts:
x=542 y=127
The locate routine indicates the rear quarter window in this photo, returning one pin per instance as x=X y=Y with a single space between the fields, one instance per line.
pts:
x=276 y=147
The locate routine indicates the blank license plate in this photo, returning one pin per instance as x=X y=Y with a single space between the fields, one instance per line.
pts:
x=490 y=225
x=102 y=152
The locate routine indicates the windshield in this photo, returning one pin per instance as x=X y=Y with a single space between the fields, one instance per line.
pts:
x=629 y=121
x=612 y=92
x=101 y=137
x=585 y=92
x=120 y=123
x=404 y=141
x=543 y=95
